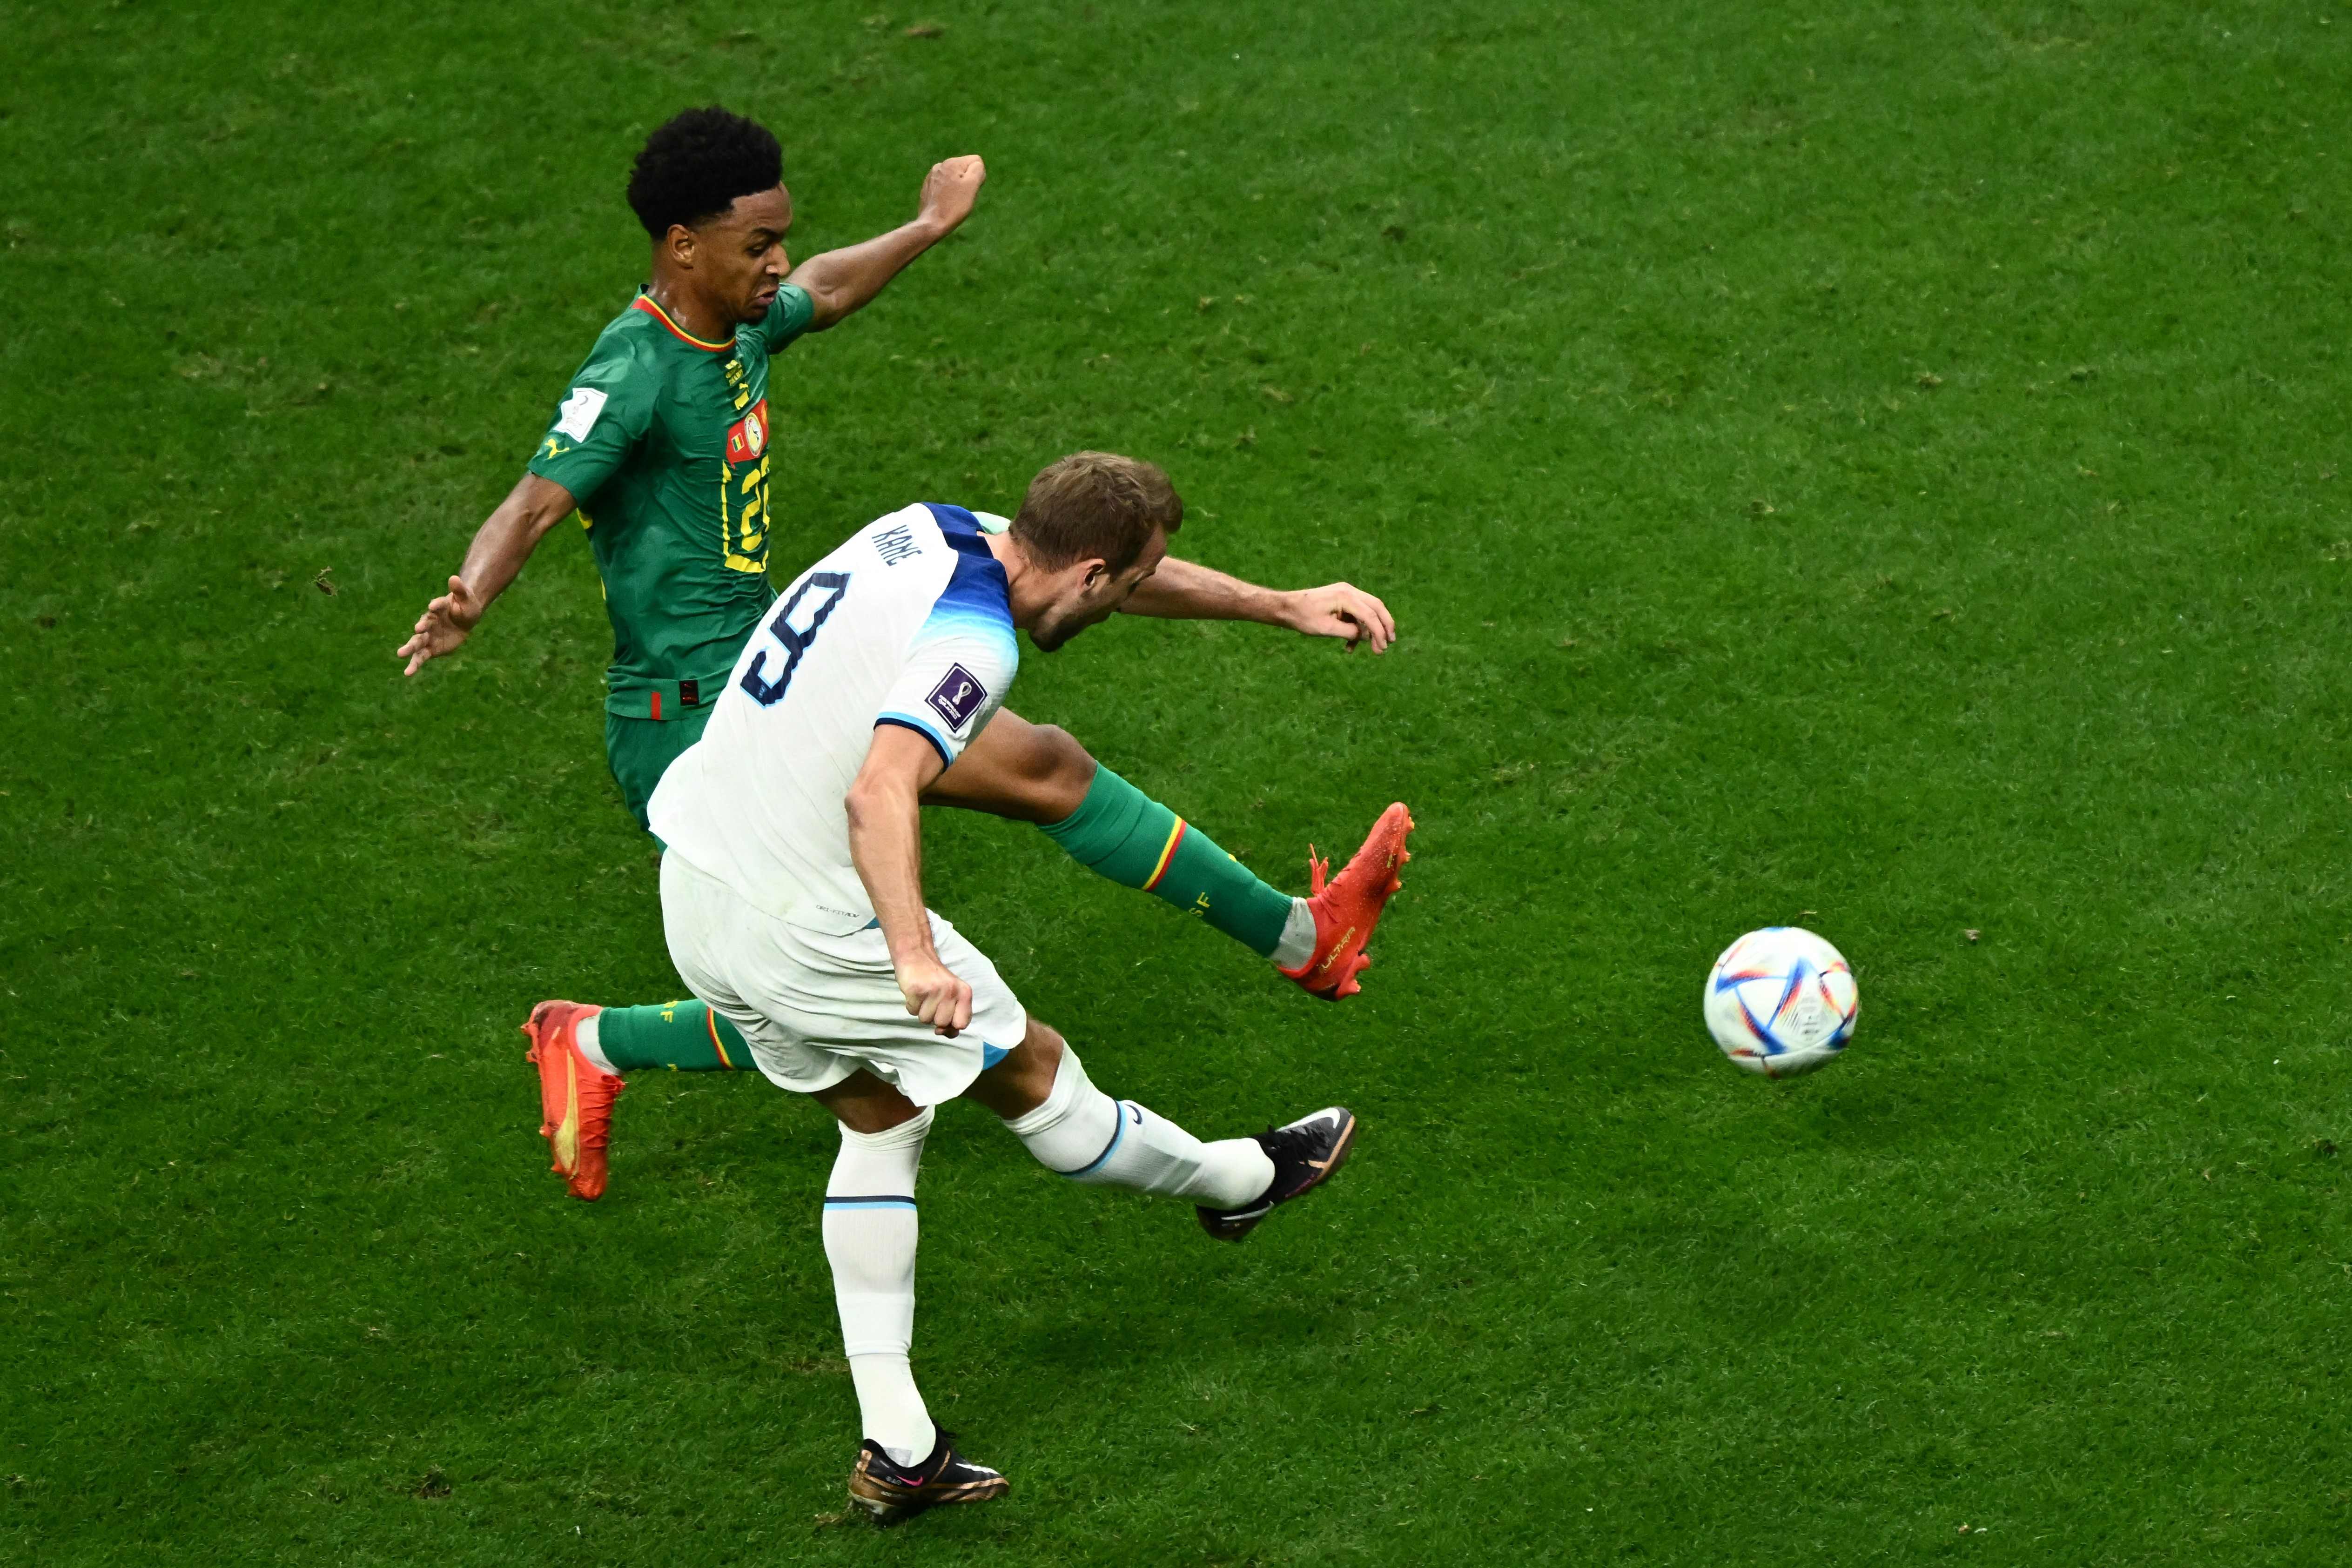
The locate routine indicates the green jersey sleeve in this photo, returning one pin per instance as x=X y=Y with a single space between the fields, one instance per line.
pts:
x=787 y=318
x=603 y=417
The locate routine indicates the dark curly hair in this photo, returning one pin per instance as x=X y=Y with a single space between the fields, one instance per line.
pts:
x=694 y=167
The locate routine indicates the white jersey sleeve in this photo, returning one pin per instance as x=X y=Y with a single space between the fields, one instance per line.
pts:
x=961 y=659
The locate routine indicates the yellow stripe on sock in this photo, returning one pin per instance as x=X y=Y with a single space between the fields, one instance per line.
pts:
x=710 y=1021
x=1167 y=854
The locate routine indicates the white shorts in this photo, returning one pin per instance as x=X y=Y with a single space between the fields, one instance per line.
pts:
x=817 y=1003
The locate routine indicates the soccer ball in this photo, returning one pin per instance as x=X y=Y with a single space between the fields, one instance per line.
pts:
x=1780 y=1001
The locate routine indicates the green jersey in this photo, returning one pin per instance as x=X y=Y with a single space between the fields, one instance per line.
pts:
x=664 y=440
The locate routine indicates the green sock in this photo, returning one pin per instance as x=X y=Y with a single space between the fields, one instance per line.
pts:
x=1120 y=833
x=684 y=1037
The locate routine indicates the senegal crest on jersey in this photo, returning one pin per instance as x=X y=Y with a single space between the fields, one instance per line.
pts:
x=748 y=436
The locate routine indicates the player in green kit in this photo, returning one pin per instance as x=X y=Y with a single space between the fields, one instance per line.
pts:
x=662 y=445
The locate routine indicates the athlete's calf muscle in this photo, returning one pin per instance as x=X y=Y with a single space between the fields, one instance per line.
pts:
x=1027 y=772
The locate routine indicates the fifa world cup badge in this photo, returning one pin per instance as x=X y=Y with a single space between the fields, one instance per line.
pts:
x=957 y=697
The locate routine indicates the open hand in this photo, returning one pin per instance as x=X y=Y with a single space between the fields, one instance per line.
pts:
x=950 y=190
x=934 y=994
x=1340 y=610
x=445 y=624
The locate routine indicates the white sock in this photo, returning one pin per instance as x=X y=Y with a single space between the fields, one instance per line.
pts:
x=1297 y=944
x=586 y=1034
x=1085 y=1134
x=869 y=1239
x=890 y=1407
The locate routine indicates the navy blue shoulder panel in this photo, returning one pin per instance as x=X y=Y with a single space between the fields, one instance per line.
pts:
x=977 y=585
x=960 y=528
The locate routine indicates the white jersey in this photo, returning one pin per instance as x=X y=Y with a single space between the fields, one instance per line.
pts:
x=908 y=623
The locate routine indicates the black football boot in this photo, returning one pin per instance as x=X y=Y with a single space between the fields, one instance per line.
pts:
x=891 y=1492
x=1305 y=1155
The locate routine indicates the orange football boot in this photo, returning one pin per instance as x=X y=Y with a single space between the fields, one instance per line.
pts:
x=1348 y=907
x=575 y=1096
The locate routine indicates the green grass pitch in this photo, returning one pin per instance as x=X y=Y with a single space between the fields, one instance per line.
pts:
x=1880 y=466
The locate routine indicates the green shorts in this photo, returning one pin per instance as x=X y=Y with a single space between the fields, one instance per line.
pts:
x=640 y=749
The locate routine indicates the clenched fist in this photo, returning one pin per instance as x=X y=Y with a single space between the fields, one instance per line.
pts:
x=950 y=190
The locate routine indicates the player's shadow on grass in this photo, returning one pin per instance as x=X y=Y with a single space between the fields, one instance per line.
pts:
x=1884 y=1111
x=1093 y=1279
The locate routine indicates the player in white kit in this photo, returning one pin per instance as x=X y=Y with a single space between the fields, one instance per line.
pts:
x=792 y=893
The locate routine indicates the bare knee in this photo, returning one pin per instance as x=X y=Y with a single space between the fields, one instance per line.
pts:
x=1056 y=772
x=1019 y=1084
x=1029 y=772
x=863 y=1103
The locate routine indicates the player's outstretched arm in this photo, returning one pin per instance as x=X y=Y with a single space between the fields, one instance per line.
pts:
x=500 y=546
x=840 y=281
x=1183 y=591
x=886 y=844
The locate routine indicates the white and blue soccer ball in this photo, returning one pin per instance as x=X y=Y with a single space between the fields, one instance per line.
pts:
x=1781 y=1001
